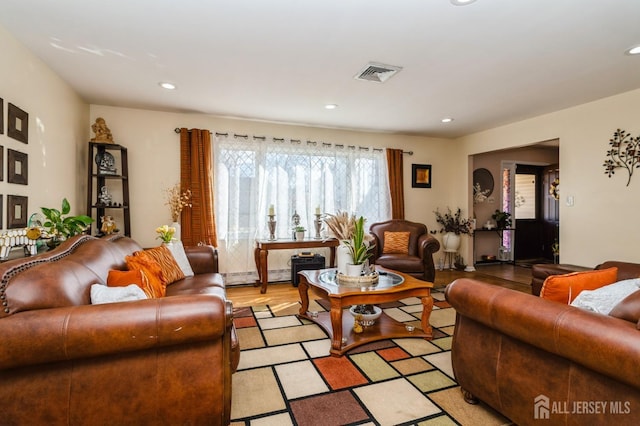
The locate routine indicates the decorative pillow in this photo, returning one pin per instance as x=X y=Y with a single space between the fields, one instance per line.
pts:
x=629 y=307
x=151 y=269
x=170 y=269
x=565 y=288
x=606 y=298
x=396 y=242
x=177 y=250
x=124 y=278
x=102 y=294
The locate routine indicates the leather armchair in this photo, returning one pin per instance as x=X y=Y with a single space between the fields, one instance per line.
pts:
x=418 y=262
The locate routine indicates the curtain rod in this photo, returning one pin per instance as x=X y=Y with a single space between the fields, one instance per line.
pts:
x=298 y=141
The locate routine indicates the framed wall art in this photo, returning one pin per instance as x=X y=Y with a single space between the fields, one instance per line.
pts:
x=17 y=167
x=1 y=116
x=1 y=164
x=421 y=175
x=17 y=209
x=18 y=124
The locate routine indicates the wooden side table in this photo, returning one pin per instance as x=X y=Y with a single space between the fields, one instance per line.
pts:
x=261 y=254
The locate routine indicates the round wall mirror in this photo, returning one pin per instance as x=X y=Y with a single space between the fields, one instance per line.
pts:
x=484 y=179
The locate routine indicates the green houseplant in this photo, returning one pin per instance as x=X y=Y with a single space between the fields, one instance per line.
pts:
x=59 y=227
x=503 y=219
x=357 y=245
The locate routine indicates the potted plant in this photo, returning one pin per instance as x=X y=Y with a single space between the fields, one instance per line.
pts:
x=59 y=227
x=340 y=226
x=299 y=230
x=503 y=219
x=358 y=248
x=453 y=225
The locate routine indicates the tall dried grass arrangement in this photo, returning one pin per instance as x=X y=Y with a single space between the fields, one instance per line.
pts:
x=341 y=225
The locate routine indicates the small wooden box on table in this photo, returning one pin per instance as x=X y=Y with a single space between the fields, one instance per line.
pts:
x=339 y=327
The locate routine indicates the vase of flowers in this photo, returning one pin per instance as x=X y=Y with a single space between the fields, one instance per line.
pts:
x=166 y=233
x=453 y=225
x=177 y=200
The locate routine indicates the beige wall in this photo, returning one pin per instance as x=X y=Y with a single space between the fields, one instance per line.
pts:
x=601 y=224
x=57 y=128
x=153 y=149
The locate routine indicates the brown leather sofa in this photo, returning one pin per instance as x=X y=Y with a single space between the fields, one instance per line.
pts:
x=529 y=358
x=64 y=361
x=540 y=272
x=419 y=260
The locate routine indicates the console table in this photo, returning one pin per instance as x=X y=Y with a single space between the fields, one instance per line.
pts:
x=261 y=254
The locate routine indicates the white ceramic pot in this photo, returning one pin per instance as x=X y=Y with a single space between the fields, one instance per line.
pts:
x=343 y=256
x=354 y=270
x=177 y=234
x=451 y=241
x=299 y=235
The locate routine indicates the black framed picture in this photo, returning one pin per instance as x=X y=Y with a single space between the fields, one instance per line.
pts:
x=421 y=175
x=17 y=167
x=17 y=208
x=1 y=116
x=1 y=164
x=18 y=124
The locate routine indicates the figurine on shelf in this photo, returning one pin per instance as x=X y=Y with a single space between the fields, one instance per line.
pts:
x=102 y=131
x=108 y=225
x=104 y=198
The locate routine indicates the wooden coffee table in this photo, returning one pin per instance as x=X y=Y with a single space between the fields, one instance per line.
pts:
x=339 y=324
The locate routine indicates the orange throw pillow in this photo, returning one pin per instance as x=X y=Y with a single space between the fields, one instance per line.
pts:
x=170 y=268
x=565 y=288
x=152 y=270
x=396 y=242
x=124 y=278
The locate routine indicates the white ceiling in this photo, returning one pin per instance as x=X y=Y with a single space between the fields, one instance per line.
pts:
x=485 y=64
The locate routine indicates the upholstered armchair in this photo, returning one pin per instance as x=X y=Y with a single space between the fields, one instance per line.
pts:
x=406 y=247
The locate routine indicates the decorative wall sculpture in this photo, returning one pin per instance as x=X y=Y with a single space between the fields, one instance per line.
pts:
x=624 y=154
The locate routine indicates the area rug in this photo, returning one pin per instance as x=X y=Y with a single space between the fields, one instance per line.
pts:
x=286 y=376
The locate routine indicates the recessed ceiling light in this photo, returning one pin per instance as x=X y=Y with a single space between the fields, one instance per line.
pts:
x=447 y=120
x=635 y=50
x=461 y=2
x=168 y=86
x=331 y=106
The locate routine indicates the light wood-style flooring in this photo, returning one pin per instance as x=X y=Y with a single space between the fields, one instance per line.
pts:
x=509 y=276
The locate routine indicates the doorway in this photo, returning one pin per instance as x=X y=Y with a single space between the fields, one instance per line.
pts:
x=536 y=213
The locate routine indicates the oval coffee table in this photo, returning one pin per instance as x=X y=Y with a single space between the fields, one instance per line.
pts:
x=392 y=286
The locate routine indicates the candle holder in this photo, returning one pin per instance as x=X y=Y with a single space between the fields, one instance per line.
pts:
x=318 y=225
x=272 y=227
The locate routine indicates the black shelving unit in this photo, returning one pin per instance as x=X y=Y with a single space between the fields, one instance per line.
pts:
x=106 y=170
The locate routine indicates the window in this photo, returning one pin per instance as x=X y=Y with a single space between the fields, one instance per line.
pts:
x=295 y=177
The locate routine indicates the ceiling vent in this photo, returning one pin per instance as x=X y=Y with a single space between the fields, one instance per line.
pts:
x=378 y=73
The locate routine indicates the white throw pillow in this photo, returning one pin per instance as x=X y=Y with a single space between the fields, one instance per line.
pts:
x=102 y=294
x=177 y=250
x=604 y=299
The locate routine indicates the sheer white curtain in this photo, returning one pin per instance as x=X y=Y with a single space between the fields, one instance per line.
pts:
x=295 y=177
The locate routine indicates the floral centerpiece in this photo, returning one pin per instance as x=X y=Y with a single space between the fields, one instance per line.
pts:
x=165 y=233
x=454 y=222
x=177 y=200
